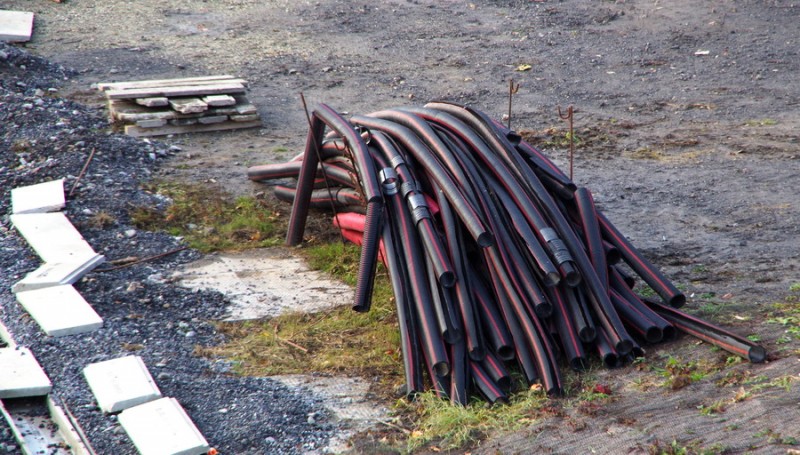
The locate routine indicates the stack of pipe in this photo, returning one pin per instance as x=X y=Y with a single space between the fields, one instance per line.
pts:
x=495 y=257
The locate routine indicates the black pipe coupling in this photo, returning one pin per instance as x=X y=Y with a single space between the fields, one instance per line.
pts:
x=556 y=246
x=418 y=207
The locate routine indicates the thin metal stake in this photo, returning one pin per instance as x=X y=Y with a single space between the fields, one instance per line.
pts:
x=322 y=166
x=569 y=118
x=512 y=90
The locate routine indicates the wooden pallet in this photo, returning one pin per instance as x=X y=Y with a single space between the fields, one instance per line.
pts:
x=176 y=106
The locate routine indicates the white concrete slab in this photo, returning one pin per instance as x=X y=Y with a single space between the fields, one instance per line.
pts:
x=57 y=274
x=265 y=283
x=162 y=427
x=53 y=237
x=39 y=198
x=60 y=310
x=121 y=383
x=22 y=376
x=16 y=26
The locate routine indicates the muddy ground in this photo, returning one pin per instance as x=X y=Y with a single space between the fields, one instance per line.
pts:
x=686 y=116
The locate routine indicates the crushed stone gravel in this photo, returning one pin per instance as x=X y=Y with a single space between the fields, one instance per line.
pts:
x=45 y=137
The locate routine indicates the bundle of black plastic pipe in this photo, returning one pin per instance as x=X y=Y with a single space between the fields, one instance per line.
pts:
x=497 y=260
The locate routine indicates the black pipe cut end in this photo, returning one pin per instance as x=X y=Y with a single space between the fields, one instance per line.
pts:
x=441 y=369
x=552 y=279
x=653 y=335
x=451 y=336
x=757 y=354
x=579 y=364
x=555 y=391
x=506 y=353
x=587 y=334
x=637 y=352
x=361 y=308
x=624 y=347
x=477 y=353
x=573 y=278
x=447 y=279
x=543 y=310
x=613 y=256
x=611 y=360
x=485 y=240
x=677 y=301
x=504 y=383
x=669 y=333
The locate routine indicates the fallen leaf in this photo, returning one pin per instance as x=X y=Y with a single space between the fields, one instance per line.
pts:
x=524 y=67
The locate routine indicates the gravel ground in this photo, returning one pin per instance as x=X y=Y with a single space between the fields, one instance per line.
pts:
x=44 y=137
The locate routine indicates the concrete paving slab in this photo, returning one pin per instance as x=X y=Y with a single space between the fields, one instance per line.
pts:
x=16 y=26
x=53 y=237
x=57 y=274
x=39 y=198
x=121 y=383
x=265 y=283
x=60 y=310
x=22 y=376
x=162 y=427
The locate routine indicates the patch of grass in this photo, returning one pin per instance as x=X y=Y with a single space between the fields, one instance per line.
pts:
x=714 y=408
x=761 y=122
x=101 y=220
x=210 y=219
x=451 y=427
x=678 y=374
x=338 y=340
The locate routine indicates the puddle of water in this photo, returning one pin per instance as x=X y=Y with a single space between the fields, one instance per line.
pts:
x=264 y=283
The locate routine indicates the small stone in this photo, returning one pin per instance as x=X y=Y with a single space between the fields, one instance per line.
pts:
x=3 y=55
x=152 y=156
x=326 y=69
x=223 y=411
x=27 y=106
x=163 y=376
x=174 y=148
x=182 y=324
x=129 y=233
x=134 y=286
x=311 y=419
x=269 y=440
x=87 y=212
x=191 y=334
x=38 y=92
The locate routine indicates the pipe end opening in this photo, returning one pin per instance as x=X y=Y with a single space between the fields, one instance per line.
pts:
x=441 y=369
x=611 y=360
x=613 y=256
x=506 y=353
x=485 y=239
x=624 y=347
x=504 y=382
x=653 y=335
x=477 y=353
x=587 y=334
x=573 y=278
x=552 y=279
x=757 y=354
x=447 y=279
x=669 y=333
x=677 y=301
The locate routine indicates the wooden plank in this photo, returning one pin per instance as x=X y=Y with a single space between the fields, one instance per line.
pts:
x=184 y=90
x=133 y=130
x=130 y=112
x=16 y=26
x=188 y=105
x=156 y=101
x=212 y=119
x=151 y=123
x=219 y=100
x=244 y=118
x=103 y=86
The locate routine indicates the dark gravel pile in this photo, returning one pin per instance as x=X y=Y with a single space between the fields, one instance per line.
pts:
x=44 y=137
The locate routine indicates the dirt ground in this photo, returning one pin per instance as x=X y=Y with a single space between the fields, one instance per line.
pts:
x=686 y=119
